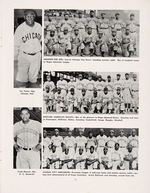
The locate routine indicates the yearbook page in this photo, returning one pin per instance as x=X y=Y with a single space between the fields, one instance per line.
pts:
x=74 y=96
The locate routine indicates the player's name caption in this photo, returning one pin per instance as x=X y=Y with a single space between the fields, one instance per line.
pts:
x=61 y=60
x=89 y=173
x=26 y=172
x=87 y=118
x=27 y=92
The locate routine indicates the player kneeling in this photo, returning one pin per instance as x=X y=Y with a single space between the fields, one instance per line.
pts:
x=127 y=44
x=105 y=159
x=117 y=158
x=79 y=159
x=114 y=44
x=92 y=159
x=66 y=159
x=130 y=159
x=100 y=45
x=54 y=159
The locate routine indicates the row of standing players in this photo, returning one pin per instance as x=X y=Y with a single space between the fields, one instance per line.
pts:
x=91 y=36
x=120 y=95
x=100 y=152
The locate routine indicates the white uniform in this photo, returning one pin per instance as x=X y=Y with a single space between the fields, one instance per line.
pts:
x=78 y=157
x=105 y=160
x=99 y=87
x=59 y=101
x=116 y=159
x=71 y=84
x=27 y=136
x=81 y=142
x=111 y=143
x=54 y=156
x=71 y=101
x=28 y=49
x=80 y=84
x=48 y=98
x=135 y=93
x=70 y=143
x=134 y=142
x=129 y=164
x=92 y=156
x=127 y=90
x=50 y=84
x=106 y=102
x=57 y=141
x=90 y=85
x=66 y=157
x=90 y=142
x=46 y=150
x=63 y=85
x=101 y=141
x=123 y=141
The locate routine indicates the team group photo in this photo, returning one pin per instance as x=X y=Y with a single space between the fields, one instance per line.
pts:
x=97 y=33
x=27 y=48
x=90 y=148
x=27 y=149
x=90 y=92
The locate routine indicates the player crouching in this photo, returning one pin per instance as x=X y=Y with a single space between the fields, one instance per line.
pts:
x=92 y=159
x=54 y=159
x=79 y=159
x=66 y=160
x=100 y=45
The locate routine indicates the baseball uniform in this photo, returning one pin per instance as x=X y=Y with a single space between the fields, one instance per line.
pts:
x=27 y=42
x=27 y=137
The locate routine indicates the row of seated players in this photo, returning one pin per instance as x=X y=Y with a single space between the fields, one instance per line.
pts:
x=100 y=152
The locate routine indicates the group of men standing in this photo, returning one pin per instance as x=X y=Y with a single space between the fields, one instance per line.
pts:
x=89 y=35
x=117 y=95
x=100 y=152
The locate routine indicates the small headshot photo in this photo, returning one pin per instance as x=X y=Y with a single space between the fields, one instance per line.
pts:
x=27 y=138
x=27 y=48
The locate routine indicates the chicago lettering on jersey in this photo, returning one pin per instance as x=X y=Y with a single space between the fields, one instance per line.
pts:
x=29 y=36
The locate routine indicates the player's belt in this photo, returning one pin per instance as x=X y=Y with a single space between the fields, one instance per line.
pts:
x=122 y=146
x=104 y=28
x=31 y=54
x=70 y=146
x=110 y=147
x=118 y=29
x=132 y=31
x=27 y=148
x=101 y=146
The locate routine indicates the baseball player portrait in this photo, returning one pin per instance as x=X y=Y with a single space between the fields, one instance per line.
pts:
x=27 y=48
x=90 y=148
x=27 y=138
x=91 y=33
x=90 y=92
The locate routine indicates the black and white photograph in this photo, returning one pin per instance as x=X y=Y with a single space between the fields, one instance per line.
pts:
x=27 y=48
x=90 y=92
x=97 y=33
x=27 y=138
x=90 y=148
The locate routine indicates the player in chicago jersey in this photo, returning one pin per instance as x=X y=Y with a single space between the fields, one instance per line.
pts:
x=27 y=42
